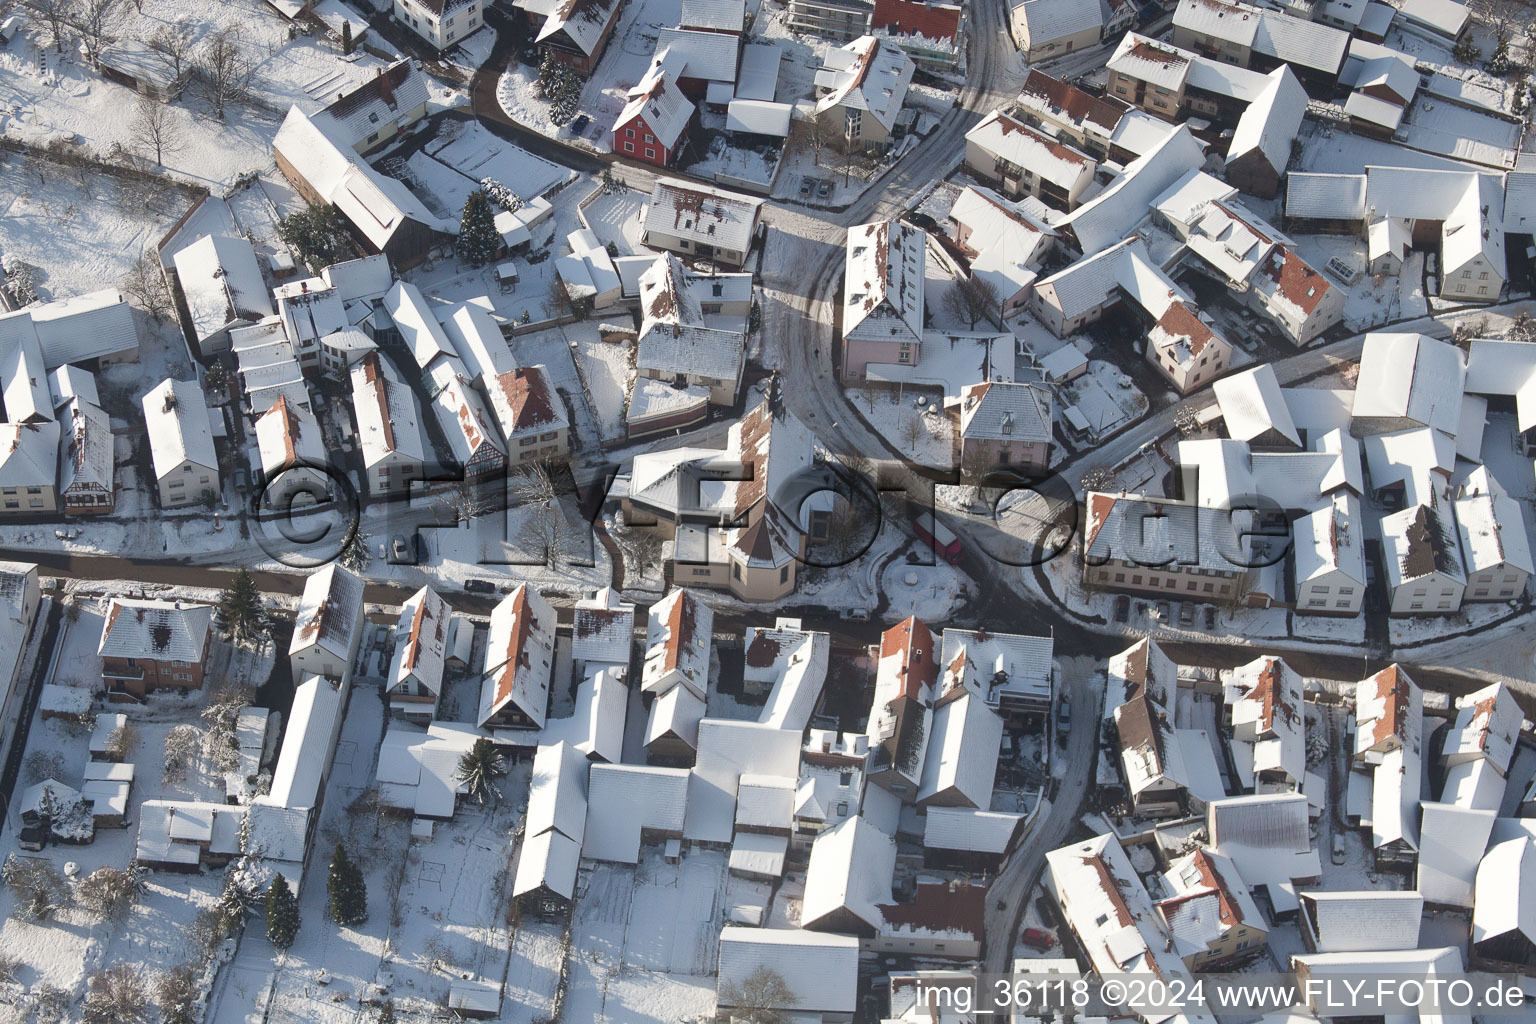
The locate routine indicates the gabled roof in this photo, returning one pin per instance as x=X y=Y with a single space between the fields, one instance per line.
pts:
x=961 y=762
x=519 y=657
x=557 y=792
x=626 y=800
x=966 y=828
x=1487 y=725
x=711 y=56
x=868 y=74
x=1252 y=406
x=1055 y=100
x=1210 y=899
x=603 y=629
x=659 y=102
x=222 y=283
x=418 y=327
x=1268 y=706
x=1411 y=377
x=155 y=630
x=683 y=209
x=997 y=666
x=385 y=411
x=721 y=15
x=421 y=641
x=727 y=750
x=884 y=281
x=850 y=871
x=821 y=971
x=1419 y=542
x=1270 y=122
x=580 y=21
x=1492 y=533
x=87 y=462
x=1506 y=892
x=525 y=401
x=1451 y=844
x=330 y=611
x=679 y=636
x=1349 y=922
x=1011 y=139
x=29 y=454
x=177 y=418
x=288 y=436
x=1109 y=216
x=994 y=411
x=1049 y=20
x=383 y=99
x=1325 y=196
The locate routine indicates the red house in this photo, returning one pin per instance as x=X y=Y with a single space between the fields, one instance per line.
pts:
x=652 y=124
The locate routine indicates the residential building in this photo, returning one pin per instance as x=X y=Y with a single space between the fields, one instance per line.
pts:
x=848 y=878
x=630 y=806
x=1353 y=922
x=531 y=415
x=571 y=35
x=29 y=464
x=1486 y=727
x=1168 y=770
x=655 y=117
x=1269 y=728
x=1389 y=713
x=20 y=599
x=1503 y=919
x=153 y=645
x=477 y=449
x=838 y=20
x=1439 y=21
x=1422 y=551
x=732 y=752
x=389 y=435
x=311 y=311
x=830 y=789
x=1105 y=220
x=968 y=839
x=1088 y=122
x=519 y=659
x=1407 y=381
x=1495 y=550
x=371 y=114
x=702 y=59
x=1007 y=425
x=442 y=24
x=883 y=298
x=417 y=771
x=1261 y=145
x=1025 y=161
x=693 y=328
x=1267 y=836
x=1299 y=300
x=1328 y=558
x=180 y=445
x=1211 y=910
x=1159 y=547
x=222 y=287
x=961 y=762
x=1012 y=672
x=91 y=330
x=329 y=626
x=1236 y=33
x=679 y=639
x=555 y=825
x=1050 y=28
x=1174 y=84
x=901 y=713
x=821 y=971
x=415 y=681
x=866 y=82
x=928 y=30
x=945 y=919
x=293 y=458
x=727 y=16
x=697 y=221
x=1005 y=241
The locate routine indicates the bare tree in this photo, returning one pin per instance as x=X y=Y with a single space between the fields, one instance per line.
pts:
x=1100 y=479
x=643 y=549
x=155 y=128
x=971 y=299
x=759 y=998
x=110 y=892
x=818 y=131
x=145 y=287
x=173 y=42
x=1186 y=419
x=535 y=489
x=183 y=747
x=117 y=996
x=225 y=69
x=913 y=430
x=465 y=500
x=557 y=302
x=54 y=14
x=93 y=19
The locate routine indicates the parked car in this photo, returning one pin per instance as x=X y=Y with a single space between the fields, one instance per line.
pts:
x=807 y=186
x=1164 y=612
x=1210 y=619
x=824 y=190
x=1064 y=715
x=855 y=614
x=1036 y=938
x=405 y=549
x=580 y=124
x=1340 y=853
x=1122 y=608
x=480 y=586
x=1186 y=614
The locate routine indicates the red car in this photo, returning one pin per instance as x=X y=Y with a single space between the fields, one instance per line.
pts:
x=1034 y=938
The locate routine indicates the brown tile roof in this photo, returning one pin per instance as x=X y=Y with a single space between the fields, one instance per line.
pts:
x=530 y=396
x=1299 y=283
x=1105 y=112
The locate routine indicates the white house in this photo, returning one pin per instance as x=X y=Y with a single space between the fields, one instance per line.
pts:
x=293 y=457
x=415 y=681
x=1422 y=550
x=1026 y=161
x=1328 y=554
x=389 y=434
x=441 y=23
x=181 y=443
x=865 y=82
x=329 y=625
x=883 y=296
x=697 y=221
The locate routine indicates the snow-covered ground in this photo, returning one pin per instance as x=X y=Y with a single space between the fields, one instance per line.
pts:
x=618 y=218
x=608 y=370
x=922 y=432
x=1107 y=398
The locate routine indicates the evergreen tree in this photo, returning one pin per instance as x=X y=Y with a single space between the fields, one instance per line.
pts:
x=346 y=37
x=318 y=234
x=478 y=240
x=348 y=890
x=479 y=768
x=387 y=1012
x=240 y=614
x=282 y=913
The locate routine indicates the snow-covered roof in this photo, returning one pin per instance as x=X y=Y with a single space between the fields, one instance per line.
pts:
x=1270 y=122
x=288 y=436
x=1109 y=216
x=967 y=828
x=758 y=117
x=1325 y=196
x=155 y=630
x=603 y=629
x=759 y=75
x=419 y=328
x=1352 y=922
x=1419 y=542
x=381 y=100
x=1147 y=60
x=1389 y=711
x=1375 y=110
x=1252 y=406
x=1474 y=784
x=582 y=23
x=997 y=411
x=1267 y=711
x=676 y=712
x=1505 y=892
x=677 y=645
x=1046 y=21
x=795 y=662
x=1505 y=368
x=525 y=401
x=461 y=412
x=1486 y=726
x=1451 y=844
x=1412 y=377
x=683 y=209
x=1298 y=41
x=1233 y=23
x=884 y=281
x=475 y=337
x=557 y=792
x=385 y=411
x=720 y=15
x=675 y=336
x=1330 y=539
x=219 y=825
x=1520 y=201
x=961 y=761
x=659 y=101
x=87 y=462
x=330 y=611
x=1011 y=139
x=1008 y=239
x=711 y=56
x=849 y=873
x=1492 y=533
x=547 y=860
x=869 y=74
x=727 y=750
x=1209 y=899
x=821 y=971
x=1445 y=17
x=309 y=737
x=998 y=667
x=598 y=720
x=1061 y=102
x=176 y=417
x=222 y=283
x=626 y=800
x=519 y=657
x=421 y=642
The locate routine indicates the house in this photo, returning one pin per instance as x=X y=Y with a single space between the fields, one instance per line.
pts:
x=603 y=631
x=389 y=435
x=154 y=645
x=848 y=878
x=371 y=114
x=415 y=680
x=1353 y=922
x=1088 y=122
x=1011 y=672
x=555 y=824
x=1050 y=28
x=1389 y=712
x=693 y=328
x=1172 y=83
x=91 y=330
x=1425 y=573
x=1504 y=374
x=1112 y=918
x=441 y=24
x=830 y=789
x=29 y=463
x=672 y=729
x=839 y=20
x=531 y=415
x=655 y=117
x=1007 y=425
x=417 y=772
x=678 y=641
x=697 y=221
x=283 y=822
x=519 y=659
x=702 y=59
x=20 y=598
x=381 y=210
x=477 y=449
x=1107 y=218
x=310 y=311
x=1212 y=911
x=180 y=444
x=728 y=750
x=1269 y=728
x=791 y=663
x=945 y=919
x=1503 y=917
x=1025 y=161
x=1407 y=381
x=883 y=298
x=961 y=761
x=588 y=271
x=1261 y=144
x=928 y=30
x=865 y=82
x=1005 y=241
x=179 y=835
x=575 y=35
x=1253 y=409
x=1299 y=300
x=1167 y=769
x=630 y=806
x=968 y=839
x=1156 y=546
x=1439 y=21
x=1267 y=837
x=1496 y=553
x=820 y=971
x=727 y=16
x=900 y=715
x=1249 y=37
x=1328 y=558
x=222 y=286
x=1452 y=840
x=329 y=626
x=293 y=458
x=730 y=512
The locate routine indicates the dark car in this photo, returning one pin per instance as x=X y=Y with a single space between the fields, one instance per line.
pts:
x=1210 y=619
x=1122 y=608
x=580 y=124
x=807 y=186
x=480 y=586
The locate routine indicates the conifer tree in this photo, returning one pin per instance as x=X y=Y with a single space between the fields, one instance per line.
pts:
x=348 y=890
x=240 y=612
x=282 y=913
x=478 y=240
x=479 y=768
x=346 y=37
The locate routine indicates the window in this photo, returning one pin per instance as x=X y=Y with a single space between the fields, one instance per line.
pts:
x=650 y=154
x=1345 y=590
x=845 y=779
x=1443 y=605
x=1316 y=604
x=1341 y=604
x=34 y=490
x=784 y=575
x=736 y=570
x=629 y=147
x=1480 y=592
x=1482 y=289
x=629 y=133
x=1119 y=577
x=1135 y=579
x=701 y=572
x=649 y=137
x=1415 y=606
x=373 y=118
x=842 y=809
